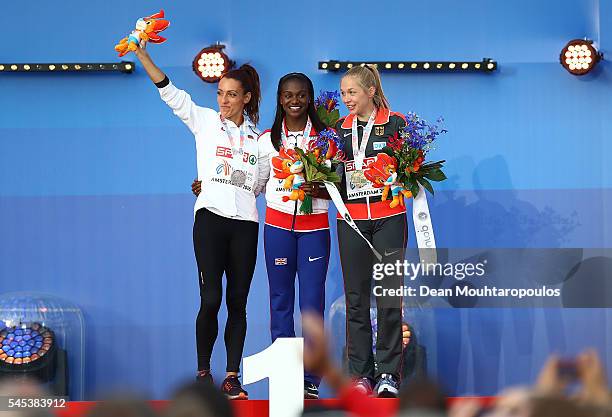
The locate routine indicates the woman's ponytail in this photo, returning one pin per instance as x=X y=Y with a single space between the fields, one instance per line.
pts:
x=368 y=76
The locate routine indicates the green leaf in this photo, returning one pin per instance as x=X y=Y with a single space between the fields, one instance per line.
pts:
x=426 y=184
x=388 y=150
x=435 y=175
x=333 y=118
x=321 y=112
x=318 y=177
x=414 y=188
x=333 y=177
x=306 y=206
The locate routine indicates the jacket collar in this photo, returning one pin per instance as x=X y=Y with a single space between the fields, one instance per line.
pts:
x=382 y=117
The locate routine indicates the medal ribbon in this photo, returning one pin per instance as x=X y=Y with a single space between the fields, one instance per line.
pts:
x=359 y=155
x=237 y=153
x=420 y=215
x=305 y=135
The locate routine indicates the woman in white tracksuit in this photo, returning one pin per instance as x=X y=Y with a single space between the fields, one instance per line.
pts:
x=226 y=222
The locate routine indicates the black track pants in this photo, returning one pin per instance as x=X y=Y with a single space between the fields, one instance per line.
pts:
x=388 y=236
x=223 y=245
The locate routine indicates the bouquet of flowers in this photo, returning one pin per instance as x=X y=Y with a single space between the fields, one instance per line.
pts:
x=323 y=156
x=320 y=161
x=401 y=166
x=327 y=107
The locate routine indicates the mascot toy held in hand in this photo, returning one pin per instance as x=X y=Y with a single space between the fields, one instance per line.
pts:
x=383 y=173
x=287 y=166
x=147 y=29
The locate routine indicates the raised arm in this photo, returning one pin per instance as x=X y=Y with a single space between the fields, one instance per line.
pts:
x=178 y=100
x=155 y=74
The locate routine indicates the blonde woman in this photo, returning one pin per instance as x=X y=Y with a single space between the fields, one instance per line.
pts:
x=368 y=128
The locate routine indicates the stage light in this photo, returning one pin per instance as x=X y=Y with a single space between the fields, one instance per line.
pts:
x=23 y=347
x=579 y=56
x=486 y=65
x=211 y=63
x=125 y=67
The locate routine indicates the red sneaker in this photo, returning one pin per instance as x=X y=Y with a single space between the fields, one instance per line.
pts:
x=204 y=376
x=363 y=385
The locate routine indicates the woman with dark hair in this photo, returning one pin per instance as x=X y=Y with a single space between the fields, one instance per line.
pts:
x=226 y=223
x=294 y=242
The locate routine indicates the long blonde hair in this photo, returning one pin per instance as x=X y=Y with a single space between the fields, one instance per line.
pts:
x=368 y=76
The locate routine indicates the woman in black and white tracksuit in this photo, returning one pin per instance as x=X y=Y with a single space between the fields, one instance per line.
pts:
x=226 y=223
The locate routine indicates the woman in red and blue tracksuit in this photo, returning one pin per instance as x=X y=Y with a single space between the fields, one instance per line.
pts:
x=295 y=243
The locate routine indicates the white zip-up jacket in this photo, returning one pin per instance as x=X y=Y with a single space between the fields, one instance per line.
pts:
x=214 y=157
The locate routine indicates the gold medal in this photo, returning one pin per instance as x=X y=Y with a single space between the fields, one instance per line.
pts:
x=358 y=179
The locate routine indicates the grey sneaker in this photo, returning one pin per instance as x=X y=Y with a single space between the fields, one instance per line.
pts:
x=386 y=387
x=311 y=391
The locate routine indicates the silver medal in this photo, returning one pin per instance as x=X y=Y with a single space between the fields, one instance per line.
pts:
x=238 y=178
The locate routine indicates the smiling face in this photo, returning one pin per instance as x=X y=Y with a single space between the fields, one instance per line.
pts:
x=357 y=100
x=231 y=99
x=294 y=98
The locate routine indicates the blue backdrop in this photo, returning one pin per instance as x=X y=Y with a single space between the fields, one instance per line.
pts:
x=95 y=171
